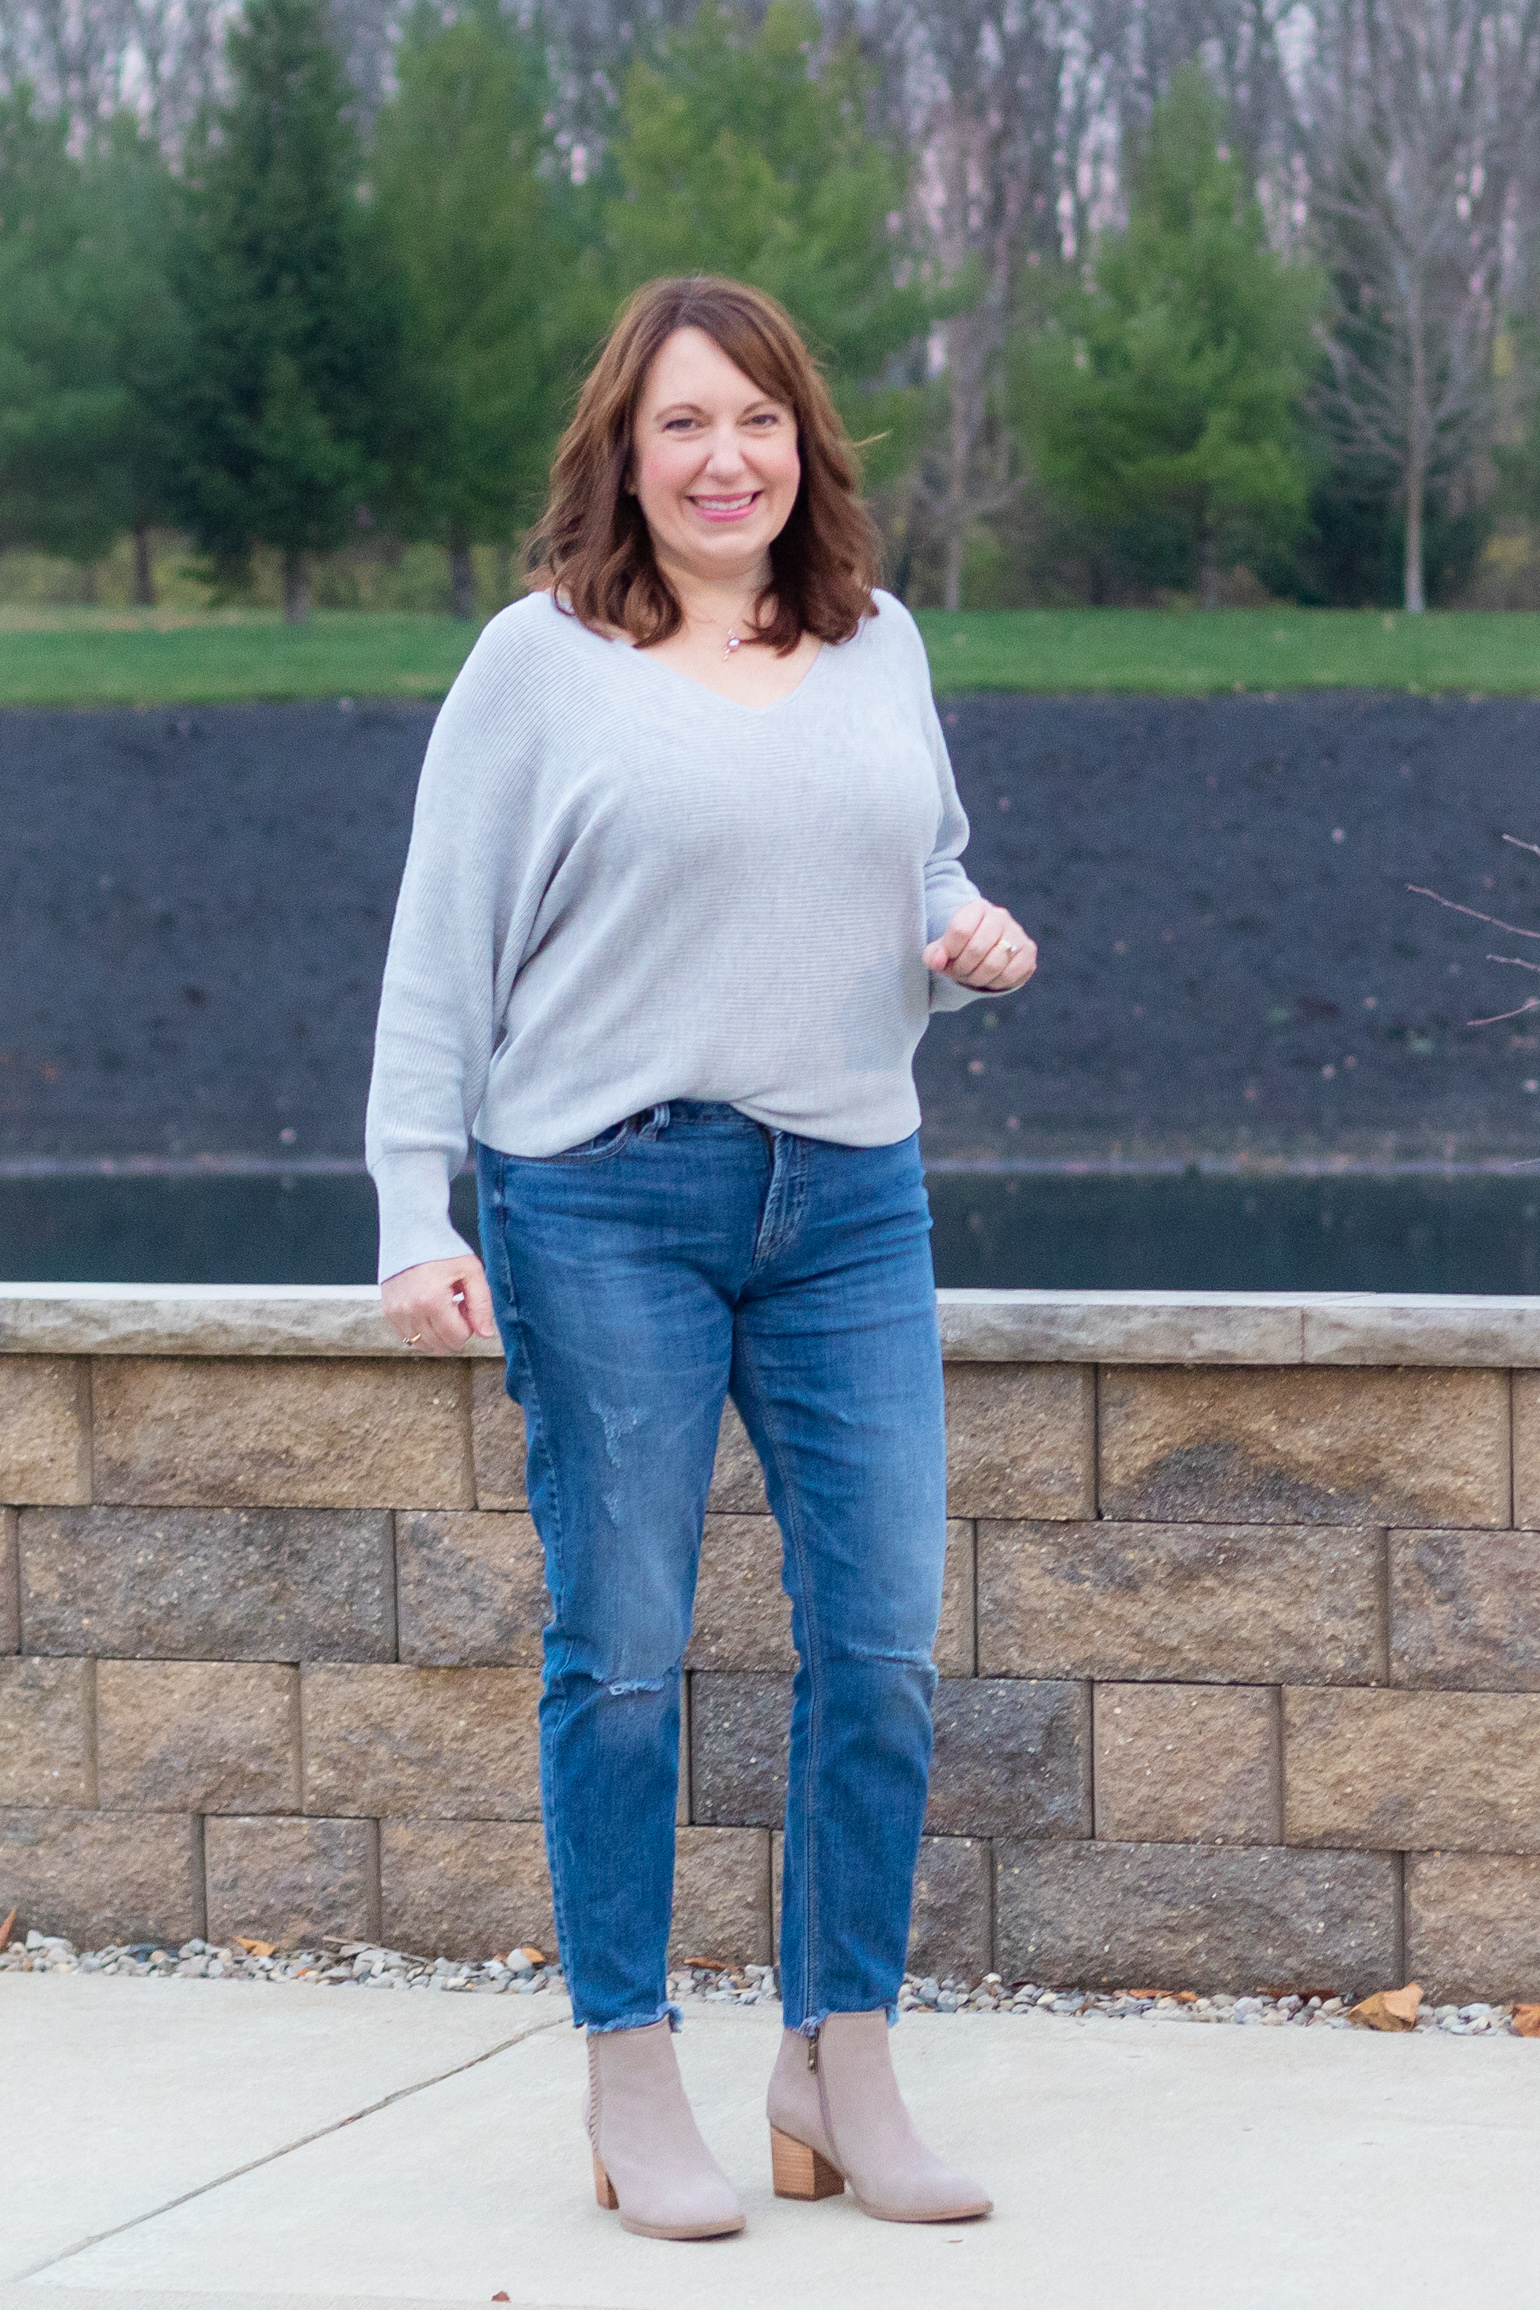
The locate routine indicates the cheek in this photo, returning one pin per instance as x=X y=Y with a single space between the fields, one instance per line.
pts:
x=661 y=473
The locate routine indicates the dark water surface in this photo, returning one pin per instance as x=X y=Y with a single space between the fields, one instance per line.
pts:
x=1169 y=1230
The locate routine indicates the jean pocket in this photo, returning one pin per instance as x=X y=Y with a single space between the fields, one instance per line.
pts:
x=608 y=1142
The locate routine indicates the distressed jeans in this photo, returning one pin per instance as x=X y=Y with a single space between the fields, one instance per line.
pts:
x=683 y=1256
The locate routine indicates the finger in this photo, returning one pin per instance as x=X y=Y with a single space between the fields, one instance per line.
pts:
x=478 y=1304
x=986 y=938
x=962 y=927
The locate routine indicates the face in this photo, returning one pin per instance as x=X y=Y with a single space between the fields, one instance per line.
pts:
x=714 y=461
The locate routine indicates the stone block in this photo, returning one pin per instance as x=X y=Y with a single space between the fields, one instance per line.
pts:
x=1232 y=1918
x=45 y=1432
x=739 y=1728
x=471 y=1589
x=1021 y=1439
x=1227 y=1603
x=465 y=1889
x=1188 y=1764
x=1473 y=1926
x=721 y=1896
x=100 y=1877
x=742 y=1613
x=737 y=1480
x=955 y=1651
x=1305 y=1446
x=291 y=1881
x=47 y=1754
x=497 y=1440
x=1465 y=1610
x=1012 y=1758
x=1526 y=1449
x=209 y=1583
x=1401 y=1771
x=950 y=1926
x=282 y=1432
x=197 y=1736
x=451 y=1743
x=10 y=1583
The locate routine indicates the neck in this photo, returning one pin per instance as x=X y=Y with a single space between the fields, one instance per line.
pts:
x=717 y=602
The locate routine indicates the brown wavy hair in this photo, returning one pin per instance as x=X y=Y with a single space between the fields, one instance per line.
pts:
x=592 y=548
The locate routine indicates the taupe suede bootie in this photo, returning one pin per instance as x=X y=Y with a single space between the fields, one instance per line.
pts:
x=650 y=2164
x=837 y=2116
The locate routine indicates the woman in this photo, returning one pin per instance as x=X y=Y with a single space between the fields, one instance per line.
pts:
x=683 y=889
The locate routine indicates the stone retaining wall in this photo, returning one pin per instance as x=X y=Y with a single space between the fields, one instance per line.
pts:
x=1240 y=1655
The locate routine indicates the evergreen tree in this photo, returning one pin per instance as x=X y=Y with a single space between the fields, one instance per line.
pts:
x=501 y=302
x=1161 y=402
x=293 y=403
x=744 y=150
x=60 y=403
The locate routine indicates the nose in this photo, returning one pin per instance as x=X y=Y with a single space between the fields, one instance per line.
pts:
x=725 y=459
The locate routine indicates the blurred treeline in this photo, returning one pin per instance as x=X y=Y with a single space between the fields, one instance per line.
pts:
x=1130 y=300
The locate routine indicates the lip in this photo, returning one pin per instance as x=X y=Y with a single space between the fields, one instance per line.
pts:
x=724 y=509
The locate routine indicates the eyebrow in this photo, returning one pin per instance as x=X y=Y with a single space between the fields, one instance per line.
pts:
x=694 y=409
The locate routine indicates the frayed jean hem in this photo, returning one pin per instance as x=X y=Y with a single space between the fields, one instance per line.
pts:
x=665 y=2012
x=815 y=2021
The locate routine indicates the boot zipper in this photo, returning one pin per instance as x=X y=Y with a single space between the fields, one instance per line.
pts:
x=812 y=2051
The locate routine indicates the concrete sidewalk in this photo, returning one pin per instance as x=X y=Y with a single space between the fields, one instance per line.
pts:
x=181 y=2144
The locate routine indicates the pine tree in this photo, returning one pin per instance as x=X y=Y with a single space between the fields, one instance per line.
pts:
x=744 y=149
x=293 y=401
x=1161 y=405
x=501 y=303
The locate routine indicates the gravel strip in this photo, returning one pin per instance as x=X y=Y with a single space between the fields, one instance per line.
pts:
x=525 y=1973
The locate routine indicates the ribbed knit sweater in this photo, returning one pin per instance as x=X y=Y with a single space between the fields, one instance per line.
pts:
x=623 y=889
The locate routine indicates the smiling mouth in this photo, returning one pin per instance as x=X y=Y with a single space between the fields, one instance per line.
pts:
x=726 y=508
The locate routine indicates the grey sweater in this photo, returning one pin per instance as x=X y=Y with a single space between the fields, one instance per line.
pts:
x=623 y=889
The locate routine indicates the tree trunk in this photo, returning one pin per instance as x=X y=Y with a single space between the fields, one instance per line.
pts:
x=296 y=589
x=1416 y=601
x=1210 y=571
x=462 y=576
x=502 y=572
x=951 y=596
x=1416 y=467
x=144 y=573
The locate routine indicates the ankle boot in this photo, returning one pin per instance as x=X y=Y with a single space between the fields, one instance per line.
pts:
x=836 y=2116
x=650 y=2164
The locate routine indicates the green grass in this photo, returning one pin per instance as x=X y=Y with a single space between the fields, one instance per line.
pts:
x=120 y=657
x=1201 y=652
x=129 y=658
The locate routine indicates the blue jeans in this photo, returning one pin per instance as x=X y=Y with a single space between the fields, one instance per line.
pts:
x=639 y=1279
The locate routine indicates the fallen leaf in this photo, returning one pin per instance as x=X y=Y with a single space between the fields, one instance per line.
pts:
x=1388 y=2009
x=1144 y=1993
x=705 y=1965
x=535 y=1956
x=1526 y=2021
x=5 y=1929
x=256 y=1948
x=1187 y=1997
x=499 y=2297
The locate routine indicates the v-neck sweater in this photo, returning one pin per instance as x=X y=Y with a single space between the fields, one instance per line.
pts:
x=623 y=889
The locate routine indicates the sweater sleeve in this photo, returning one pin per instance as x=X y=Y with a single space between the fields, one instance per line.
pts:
x=947 y=887
x=454 y=947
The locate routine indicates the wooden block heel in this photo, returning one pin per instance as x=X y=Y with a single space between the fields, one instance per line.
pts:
x=799 y=2172
x=604 y=2188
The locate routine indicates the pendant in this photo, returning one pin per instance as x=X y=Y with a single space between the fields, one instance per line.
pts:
x=734 y=642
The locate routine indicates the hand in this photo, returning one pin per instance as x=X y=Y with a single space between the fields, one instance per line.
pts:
x=972 y=949
x=439 y=1304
